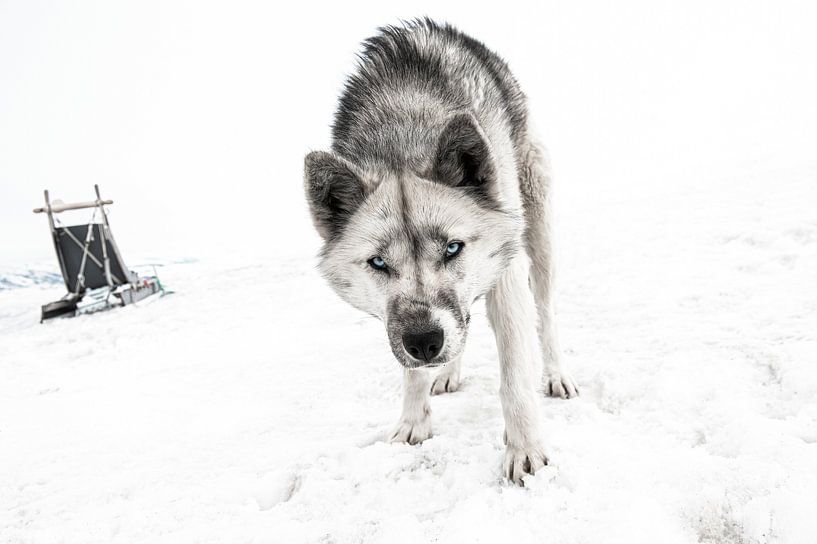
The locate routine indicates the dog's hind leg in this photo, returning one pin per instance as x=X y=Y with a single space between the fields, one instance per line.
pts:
x=535 y=181
x=512 y=313
x=448 y=379
x=415 y=422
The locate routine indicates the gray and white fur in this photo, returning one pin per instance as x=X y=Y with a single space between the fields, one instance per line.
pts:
x=436 y=193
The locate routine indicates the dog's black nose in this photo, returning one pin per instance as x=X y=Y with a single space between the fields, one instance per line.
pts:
x=424 y=346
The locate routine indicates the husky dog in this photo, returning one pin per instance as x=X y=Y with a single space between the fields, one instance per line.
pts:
x=435 y=194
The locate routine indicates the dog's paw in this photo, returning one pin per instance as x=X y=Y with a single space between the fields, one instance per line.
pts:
x=446 y=381
x=560 y=384
x=523 y=460
x=411 y=432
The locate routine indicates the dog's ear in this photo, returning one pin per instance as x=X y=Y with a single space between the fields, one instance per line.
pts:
x=463 y=157
x=334 y=190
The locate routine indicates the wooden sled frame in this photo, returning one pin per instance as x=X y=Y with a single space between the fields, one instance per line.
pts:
x=92 y=267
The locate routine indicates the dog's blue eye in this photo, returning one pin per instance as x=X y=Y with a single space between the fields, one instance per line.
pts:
x=377 y=263
x=453 y=249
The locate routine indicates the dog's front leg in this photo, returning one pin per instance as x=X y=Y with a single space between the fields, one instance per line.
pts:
x=415 y=422
x=512 y=312
x=448 y=379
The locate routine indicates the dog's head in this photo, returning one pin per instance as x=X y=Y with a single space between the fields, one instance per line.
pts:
x=416 y=246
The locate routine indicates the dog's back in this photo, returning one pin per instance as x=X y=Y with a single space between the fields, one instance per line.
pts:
x=409 y=81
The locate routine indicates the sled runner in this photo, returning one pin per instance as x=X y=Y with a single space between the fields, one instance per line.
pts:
x=92 y=267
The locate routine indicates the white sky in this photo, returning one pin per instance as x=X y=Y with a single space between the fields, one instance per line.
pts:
x=195 y=116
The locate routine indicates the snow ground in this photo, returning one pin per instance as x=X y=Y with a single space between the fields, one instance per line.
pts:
x=252 y=404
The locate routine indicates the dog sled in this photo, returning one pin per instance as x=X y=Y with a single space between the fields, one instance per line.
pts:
x=92 y=266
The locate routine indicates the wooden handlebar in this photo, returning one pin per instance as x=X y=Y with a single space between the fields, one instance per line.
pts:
x=57 y=208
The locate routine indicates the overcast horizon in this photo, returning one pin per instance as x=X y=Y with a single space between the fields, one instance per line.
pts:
x=195 y=121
